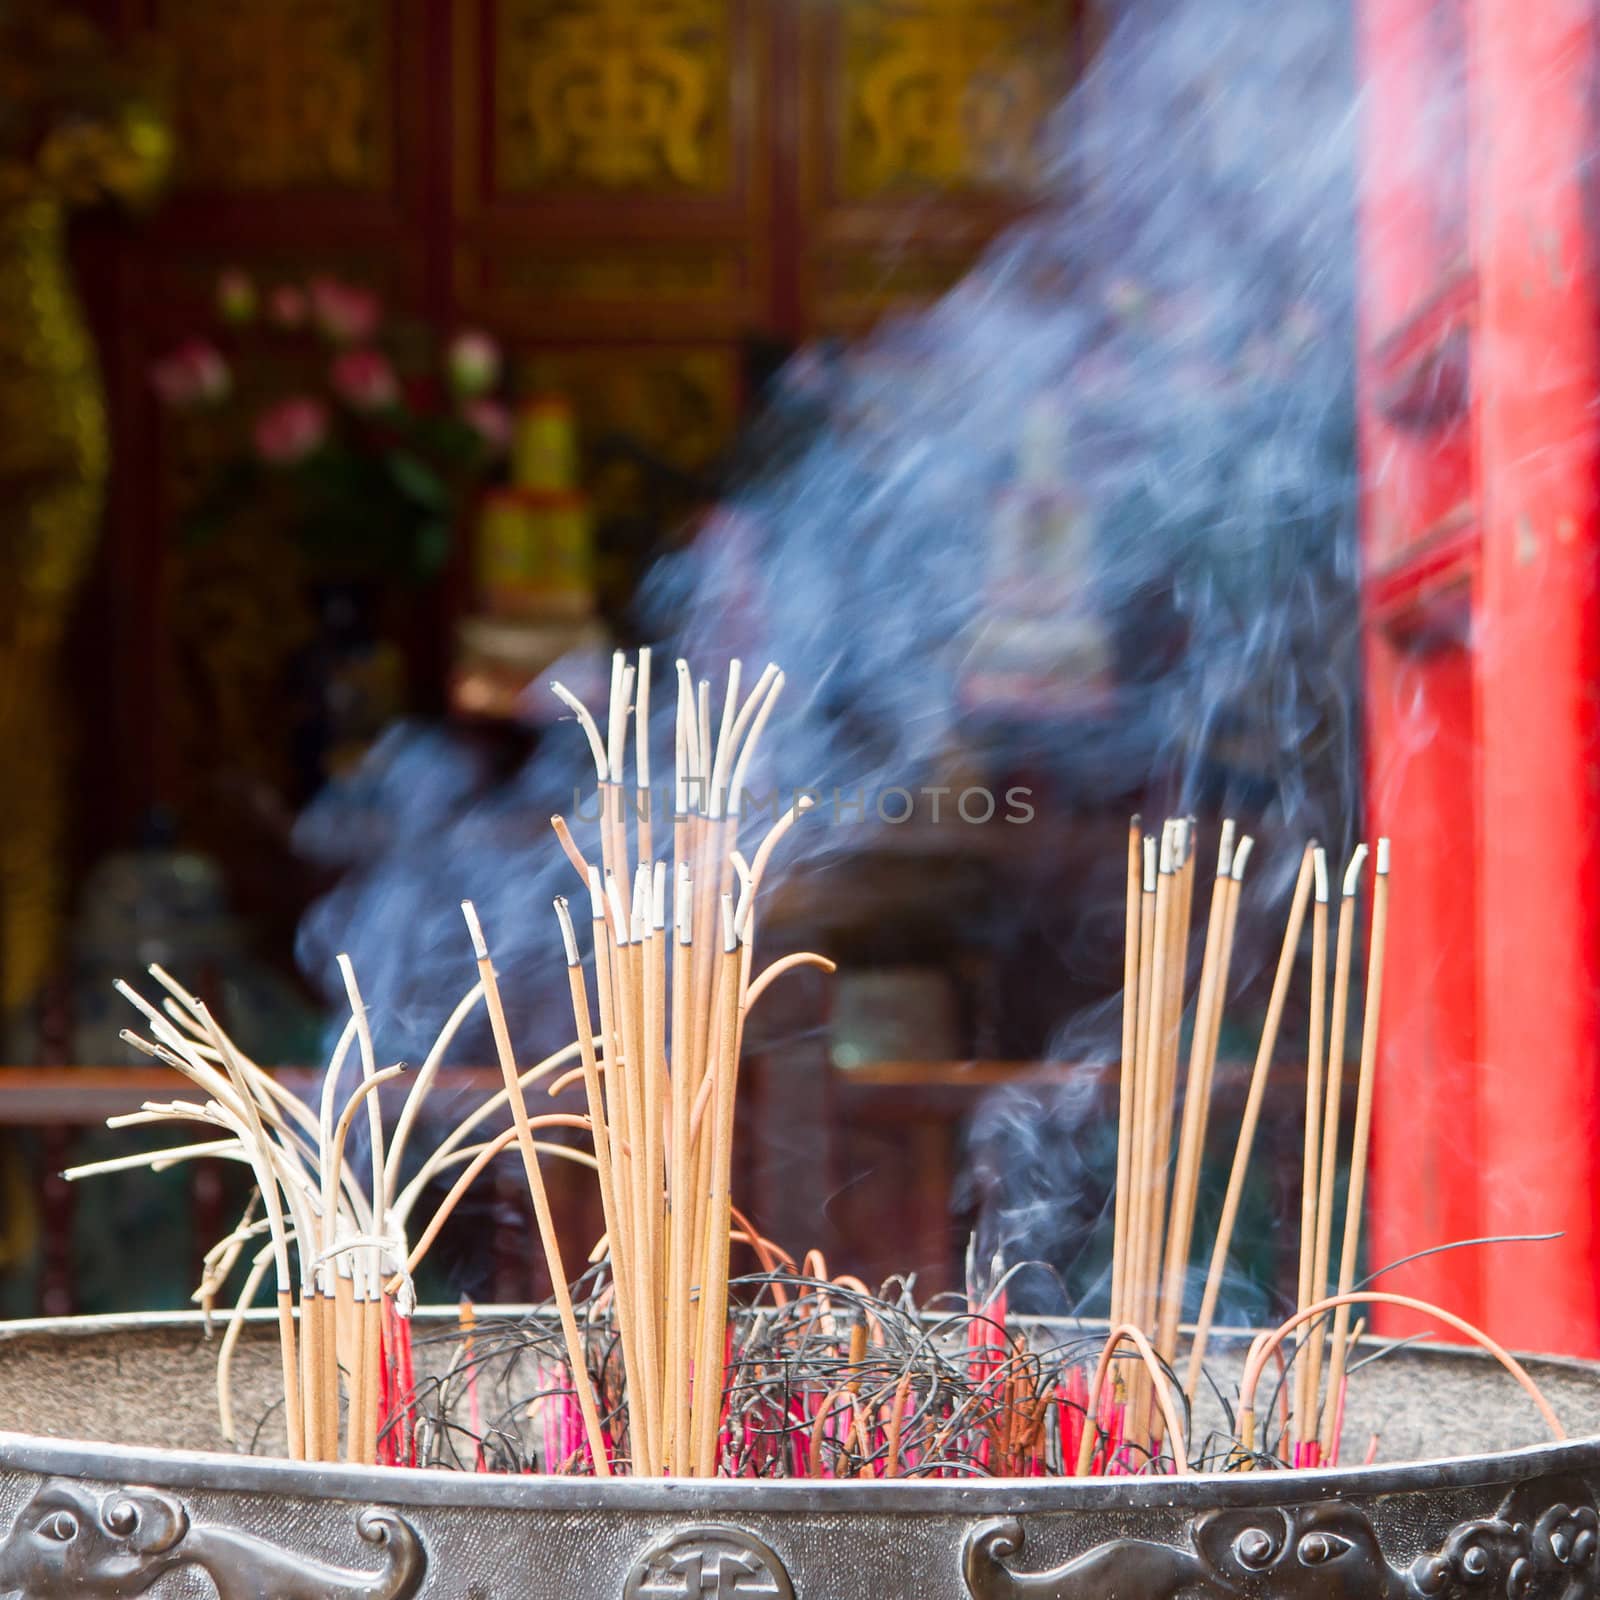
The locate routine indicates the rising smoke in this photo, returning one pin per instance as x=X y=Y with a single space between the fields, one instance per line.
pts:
x=1163 y=355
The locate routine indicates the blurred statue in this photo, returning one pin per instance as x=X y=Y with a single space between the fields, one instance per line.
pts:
x=79 y=125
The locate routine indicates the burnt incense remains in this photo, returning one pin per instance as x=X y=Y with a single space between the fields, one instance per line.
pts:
x=658 y=1361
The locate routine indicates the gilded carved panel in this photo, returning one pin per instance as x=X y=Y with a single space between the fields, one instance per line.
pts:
x=282 y=94
x=953 y=94
x=613 y=95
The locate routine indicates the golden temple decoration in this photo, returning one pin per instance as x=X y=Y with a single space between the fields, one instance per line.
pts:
x=948 y=93
x=282 y=94
x=613 y=94
x=103 y=137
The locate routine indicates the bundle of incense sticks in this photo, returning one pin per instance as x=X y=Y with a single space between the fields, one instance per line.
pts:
x=1159 y=1151
x=660 y=1079
x=333 y=1232
x=672 y=995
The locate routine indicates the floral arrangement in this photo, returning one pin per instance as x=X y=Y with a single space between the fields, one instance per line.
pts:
x=369 y=464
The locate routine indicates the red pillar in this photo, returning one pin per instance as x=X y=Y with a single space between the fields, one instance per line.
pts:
x=1421 y=542
x=1536 y=385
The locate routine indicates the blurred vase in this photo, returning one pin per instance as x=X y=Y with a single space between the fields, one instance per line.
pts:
x=53 y=458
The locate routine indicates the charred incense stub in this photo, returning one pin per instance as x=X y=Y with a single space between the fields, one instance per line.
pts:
x=715 y=1562
x=1540 y=1545
x=73 y=1543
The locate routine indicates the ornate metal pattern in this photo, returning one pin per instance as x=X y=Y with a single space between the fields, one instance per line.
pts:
x=282 y=94
x=71 y=1543
x=613 y=94
x=708 y=1563
x=951 y=93
x=1540 y=1545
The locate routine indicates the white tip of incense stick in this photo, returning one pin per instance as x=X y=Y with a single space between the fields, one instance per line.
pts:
x=686 y=738
x=619 y=912
x=641 y=745
x=1352 y=873
x=1241 y=856
x=347 y=971
x=684 y=909
x=658 y=897
x=480 y=947
x=617 y=731
x=724 y=754
x=597 y=896
x=1319 y=866
x=742 y=907
x=751 y=740
x=585 y=721
x=702 y=717
x=639 y=919
x=730 y=932
x=1167 y=832
x=568 y=937
x=133 y=997
x=1225 y=849
x=1383 y=858
x=1149 y=865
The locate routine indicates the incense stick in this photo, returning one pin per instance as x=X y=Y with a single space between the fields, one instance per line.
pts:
x=541 y=1201
x=1332 y=1106
x=1337 y=1351
x=1247 y=1126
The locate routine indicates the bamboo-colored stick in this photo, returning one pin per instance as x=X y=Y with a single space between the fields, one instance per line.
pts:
x=1180 y=1226
x=1311 y=1158
x=1141 y=1063
x=1145 y=1224
x=631 y=1012
x=541 y=1201
x=1230 y=922
x=1126 y=1087
x=1332 y=1106
x=1247 y=1125
x=1337 y=1345
x=600 y=1133
x=714 y=1308
x=679 y=1318
x=1178 y=911
x=645 y=801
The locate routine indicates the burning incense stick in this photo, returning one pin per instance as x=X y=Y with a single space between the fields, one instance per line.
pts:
x=536 y=1190
x=1331 y=1109
x=1247 y=1126
x=1311 y=1160
x=1337 y=1351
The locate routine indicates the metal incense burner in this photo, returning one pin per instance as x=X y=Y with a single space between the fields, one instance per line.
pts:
x=114 y=1483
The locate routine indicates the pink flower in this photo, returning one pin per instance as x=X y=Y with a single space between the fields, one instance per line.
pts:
x=287 y=306
x=291 y=430
x=474 y=362
x=192 y=375
x=345 y=313
x=491 y=422
x=236 y=295
x=364 y=380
